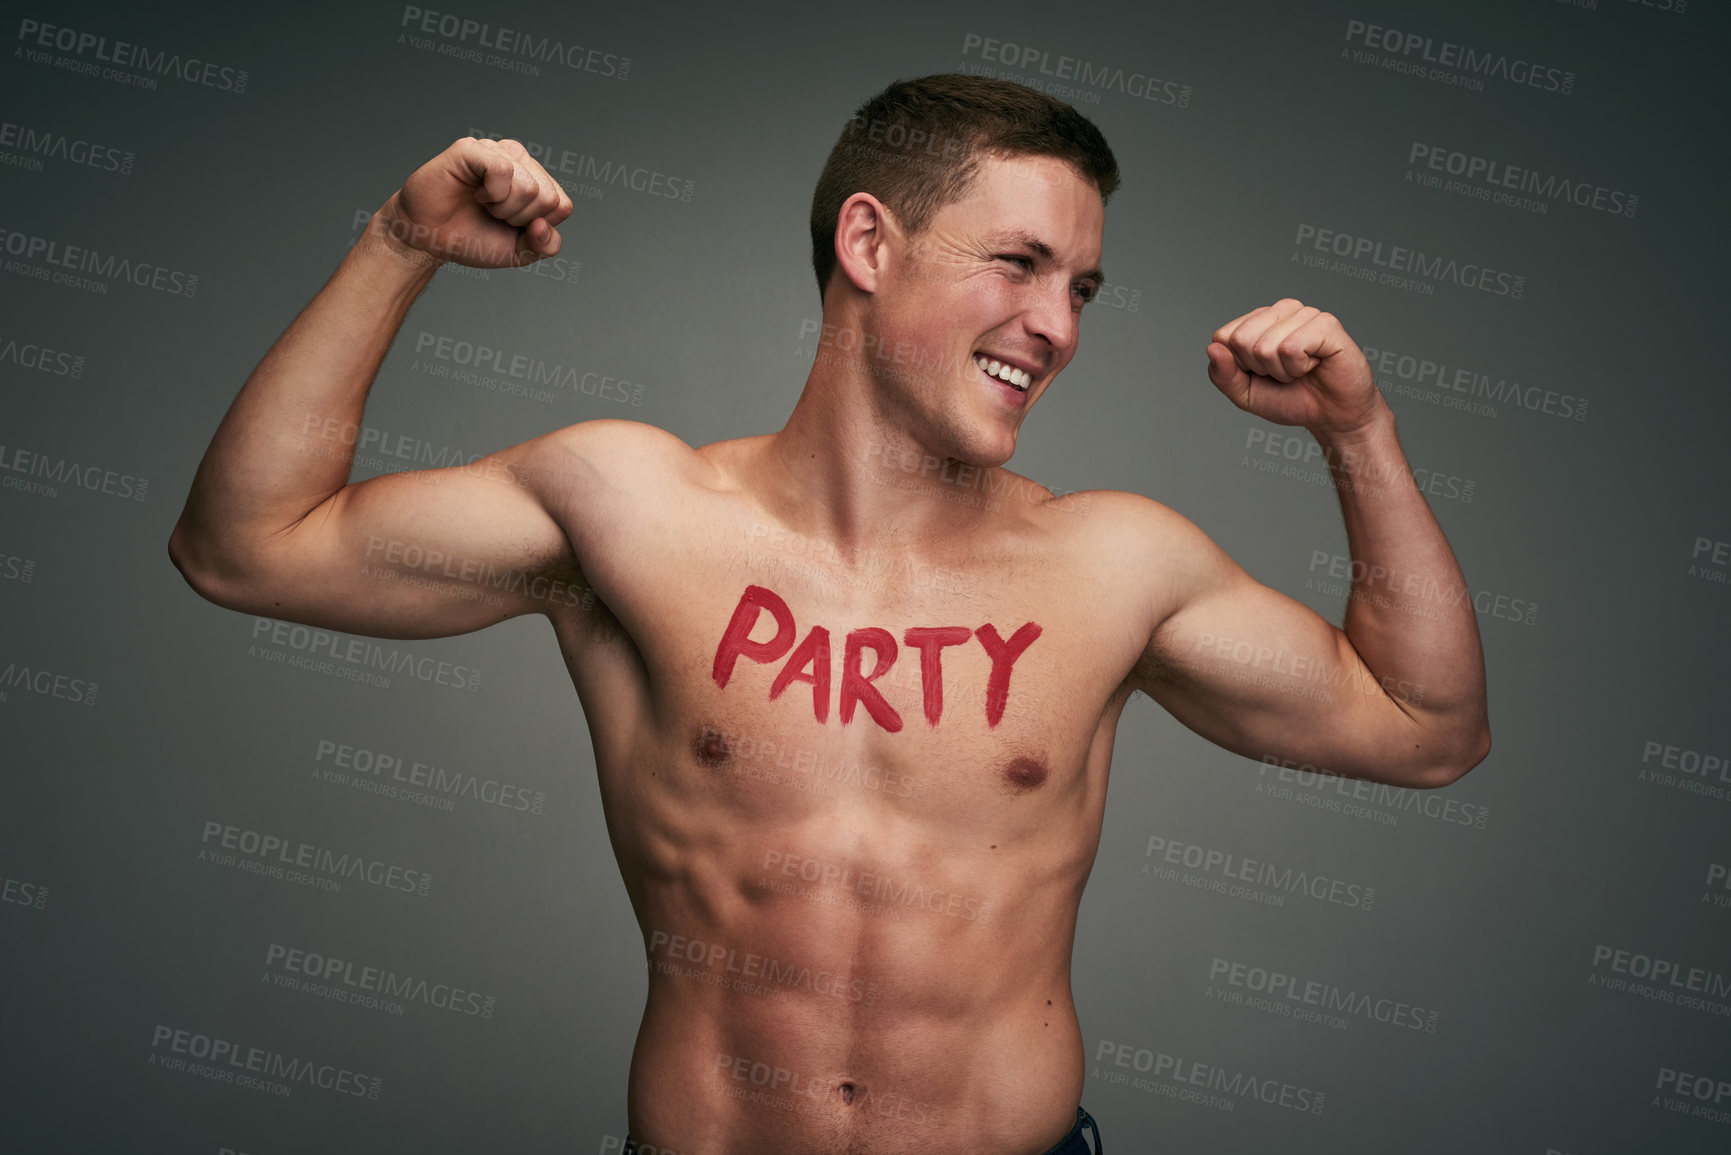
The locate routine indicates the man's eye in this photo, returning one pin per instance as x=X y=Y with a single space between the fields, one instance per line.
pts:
x=1026 y=263
x=1087 y=292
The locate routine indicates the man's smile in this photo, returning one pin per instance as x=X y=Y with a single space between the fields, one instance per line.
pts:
x=1016 y=376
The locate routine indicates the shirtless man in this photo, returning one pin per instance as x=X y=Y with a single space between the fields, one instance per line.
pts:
x=852 y=686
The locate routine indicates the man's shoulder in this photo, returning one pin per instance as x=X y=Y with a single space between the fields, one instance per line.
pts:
x=1114 y=512
x=612 y=434
x=1130 y=531
x=616 y=453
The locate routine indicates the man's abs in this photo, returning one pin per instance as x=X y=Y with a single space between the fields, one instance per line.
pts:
x=849 y=952
x=854 y=799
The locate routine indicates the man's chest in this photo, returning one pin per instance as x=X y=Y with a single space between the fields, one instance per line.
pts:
x=805 y=712
x=900 y=652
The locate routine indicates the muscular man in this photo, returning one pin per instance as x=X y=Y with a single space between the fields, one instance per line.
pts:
x=853 y=686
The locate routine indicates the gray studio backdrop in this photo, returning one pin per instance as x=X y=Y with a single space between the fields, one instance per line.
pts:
x=1516 y=207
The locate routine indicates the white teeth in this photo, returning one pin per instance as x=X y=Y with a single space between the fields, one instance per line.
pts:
x=1007 y=373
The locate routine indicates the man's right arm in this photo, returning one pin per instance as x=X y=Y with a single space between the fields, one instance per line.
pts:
x=271 y=525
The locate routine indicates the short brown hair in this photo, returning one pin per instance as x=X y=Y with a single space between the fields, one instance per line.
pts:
x=915 y=146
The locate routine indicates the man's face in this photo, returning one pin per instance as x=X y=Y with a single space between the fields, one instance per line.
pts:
x=998 y=276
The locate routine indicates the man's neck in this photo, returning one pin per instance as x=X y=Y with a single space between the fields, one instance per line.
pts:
x=849 y=469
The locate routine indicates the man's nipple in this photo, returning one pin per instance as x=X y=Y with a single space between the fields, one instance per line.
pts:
x=710 y=748
x=1022 y=775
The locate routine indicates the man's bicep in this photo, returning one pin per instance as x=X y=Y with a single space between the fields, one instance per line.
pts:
x=425 y=553
x=1258 y=673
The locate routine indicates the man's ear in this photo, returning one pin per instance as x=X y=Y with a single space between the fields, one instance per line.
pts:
x=862 y=234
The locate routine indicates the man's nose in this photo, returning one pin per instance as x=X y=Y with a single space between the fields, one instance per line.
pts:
x=1053 y=317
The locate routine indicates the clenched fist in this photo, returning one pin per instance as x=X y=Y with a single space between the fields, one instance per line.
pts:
x=1294 y=365
x=485 y=203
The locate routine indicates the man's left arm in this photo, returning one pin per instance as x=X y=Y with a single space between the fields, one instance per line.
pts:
x=1398 y=695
